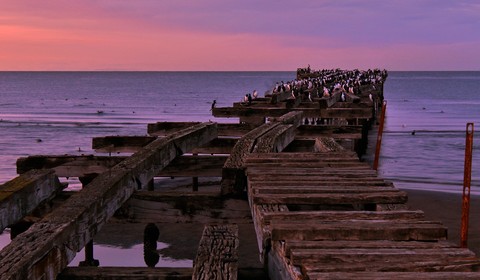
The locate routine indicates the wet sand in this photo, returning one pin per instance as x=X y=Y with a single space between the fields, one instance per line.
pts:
x=447 y=208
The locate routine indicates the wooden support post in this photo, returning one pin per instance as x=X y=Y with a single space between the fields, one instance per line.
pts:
x=89 y=260
x=379 y=136
x=195 y=179
x=151 y=185
x=466 y=185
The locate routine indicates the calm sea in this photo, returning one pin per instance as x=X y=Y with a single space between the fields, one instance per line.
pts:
x=60 y=112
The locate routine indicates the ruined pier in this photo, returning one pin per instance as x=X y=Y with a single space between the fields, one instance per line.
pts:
x=290 y=173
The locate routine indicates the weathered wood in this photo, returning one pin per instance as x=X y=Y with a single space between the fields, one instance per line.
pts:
x=332 y=216
x=127 y=273
x=79 y=166
x=120 y=144
x=233 y=174
x=331 y=198
x=216 y=146
x=69 y=165
x=399 y=264
x=165 y=128
x=336 y=132
x=21 y=195
x=363 y=244
x=320 y=189
x=354 y=256
x=269 y=170
x=276 y=139
x=50 y=244
x=194 y=166
x=217 y=255
x=263 y=233
x=394 y=275
x=234 y=129
x=362 y=230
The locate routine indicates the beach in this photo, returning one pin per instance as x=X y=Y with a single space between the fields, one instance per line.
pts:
x=447 y=208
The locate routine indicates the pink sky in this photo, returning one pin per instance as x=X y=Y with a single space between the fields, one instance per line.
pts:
x=239 y=35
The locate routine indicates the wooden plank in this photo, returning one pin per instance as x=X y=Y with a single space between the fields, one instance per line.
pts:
x=364 y=244
x=269 y=170
x=194 y=166
x=165 y=128
x=262 y=232
x=362 y=230
x=287 y=190
x=69 y=165
x=120 y=144
x=301 y=156
x=217 y=255
x=343 y=183
x=79 y=166
x=49 y=245
x=337 y=132
x=311 y=178
x=120 y=273
x=395 y=275
x=234 y=129
x=399 y=265
x=216 y=146
x=347 y=165
x=331 y=198
x=21 y=195
x=365 y=256
x=332 y=216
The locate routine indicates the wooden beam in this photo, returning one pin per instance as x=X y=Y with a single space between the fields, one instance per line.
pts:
x=165 y=128
x=21 y=195
x=331 y=198
x=194 y=166
x=361 y=275
x=233 y=174
x=69 y=165
x=336 y=132
x=49 y=245
x=80 y=166
x=334 y=113
x=120 y=273
x=362 y=230
x=120 y=144
x=217 y=255
x=216 y=146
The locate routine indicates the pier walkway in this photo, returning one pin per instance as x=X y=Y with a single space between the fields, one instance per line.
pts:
x=326 y=215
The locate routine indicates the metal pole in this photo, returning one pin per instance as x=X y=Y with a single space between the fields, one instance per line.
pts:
x=467 y=175
x=379 y=136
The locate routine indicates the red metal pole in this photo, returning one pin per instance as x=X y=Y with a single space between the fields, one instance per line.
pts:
x=379 y=136
x=467 y=175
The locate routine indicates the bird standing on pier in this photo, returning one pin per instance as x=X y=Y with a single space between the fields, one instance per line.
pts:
x=213 y=104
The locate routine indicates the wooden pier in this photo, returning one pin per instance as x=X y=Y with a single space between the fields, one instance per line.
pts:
x=290 y=170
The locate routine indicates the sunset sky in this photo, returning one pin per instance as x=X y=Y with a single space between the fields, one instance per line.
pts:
x=239 y=35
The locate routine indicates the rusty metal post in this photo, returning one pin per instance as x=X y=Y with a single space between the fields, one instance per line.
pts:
x=467 y=176
x=379 y=136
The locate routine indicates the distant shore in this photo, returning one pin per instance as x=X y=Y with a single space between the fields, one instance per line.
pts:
x=447 y=208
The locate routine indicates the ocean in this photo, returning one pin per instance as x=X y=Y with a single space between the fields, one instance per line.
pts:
x=52 y=113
